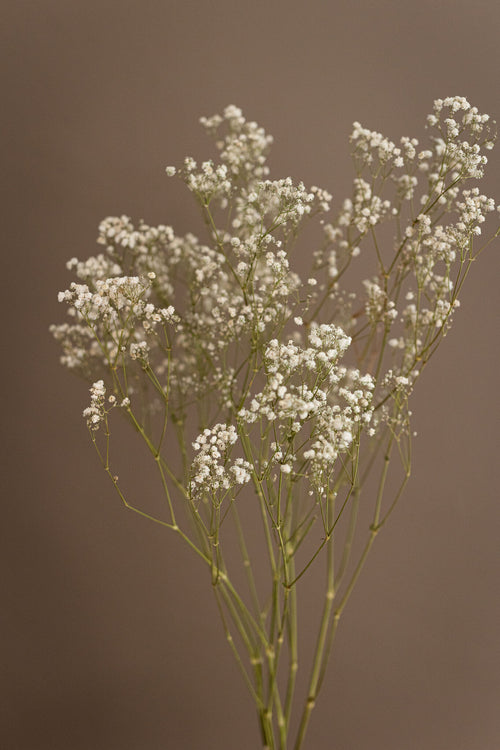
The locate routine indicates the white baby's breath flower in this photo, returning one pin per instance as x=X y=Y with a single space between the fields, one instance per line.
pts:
x=283 y=385
x=95 y=414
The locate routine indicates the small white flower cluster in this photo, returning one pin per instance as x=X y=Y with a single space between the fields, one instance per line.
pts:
x=137 y=250
x=96 y=412
x=282 y=200
x=243 y=152
x=322 y=199
x=327 y=343
x=244 y=148
x=405 y=187
x=431 y=252
x=379 y=308
x=118 y=230
x=307 y=388
x=80 y=350
x=365 y=210
x=111 y=296
x=381 y=156
x=99 y=267
x=338 y=425
x=212 y=474
x=209 y=182
x=263 y=207
x=340 y=247
x=472 y=211
x=139 y=350
x=112 y=310
x=369 y=143
x=463 y=157
x=455 y=104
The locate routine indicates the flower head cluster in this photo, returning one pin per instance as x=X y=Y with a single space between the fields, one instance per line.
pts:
x=212 y=473
x=379 y=308
x=454 y=118
x=208 y=182
x=113 y=316
x=245 y=145
x=307 y=391
x=96 y=412
x=111 y=297
x=136 y=250
x=374 y=148
x=100 y=267
x=365 y=210
x=338 y=427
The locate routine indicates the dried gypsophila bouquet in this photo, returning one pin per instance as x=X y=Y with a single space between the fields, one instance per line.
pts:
x=291 y=386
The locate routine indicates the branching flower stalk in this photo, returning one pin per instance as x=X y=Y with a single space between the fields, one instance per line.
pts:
x=257 y=379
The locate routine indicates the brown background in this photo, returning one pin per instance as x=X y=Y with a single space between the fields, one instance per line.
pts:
x=110 y=637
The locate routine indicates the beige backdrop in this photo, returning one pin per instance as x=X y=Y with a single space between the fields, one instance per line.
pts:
x=110 y=638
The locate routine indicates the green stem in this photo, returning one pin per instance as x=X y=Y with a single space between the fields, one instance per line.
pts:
x=313 y=688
